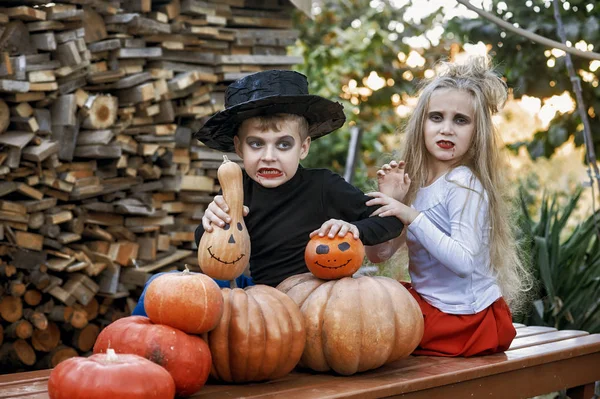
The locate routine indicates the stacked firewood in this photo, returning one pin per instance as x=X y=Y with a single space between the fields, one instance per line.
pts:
x=101 y=183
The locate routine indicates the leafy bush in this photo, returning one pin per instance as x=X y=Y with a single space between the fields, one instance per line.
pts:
x=565 y=261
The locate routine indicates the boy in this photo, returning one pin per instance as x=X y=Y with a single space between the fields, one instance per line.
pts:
x=269 y=121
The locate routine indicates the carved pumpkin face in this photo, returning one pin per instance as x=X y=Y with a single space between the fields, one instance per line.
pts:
x=228 y=252
x=334 y=258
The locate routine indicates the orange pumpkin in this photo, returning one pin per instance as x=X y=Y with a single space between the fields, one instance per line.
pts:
x=190 y=302
x=109 y=375
x=355 y=324
x=224 y=253
x=260 y=336
x=186 y=357
x=333 y=258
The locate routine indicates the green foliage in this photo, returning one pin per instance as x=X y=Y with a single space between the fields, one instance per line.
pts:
x=565 y=261
x=348 y=40
x=524 y=63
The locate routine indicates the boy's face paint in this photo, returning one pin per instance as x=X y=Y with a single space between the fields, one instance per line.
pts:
x=271 y=158
x=449 y=126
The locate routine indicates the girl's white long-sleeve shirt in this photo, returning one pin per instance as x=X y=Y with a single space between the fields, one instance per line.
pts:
x=448 y=245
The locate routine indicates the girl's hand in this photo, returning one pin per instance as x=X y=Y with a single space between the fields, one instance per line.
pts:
x=391 y=207
x=335 y=226
x=217 y=213
x=392 y=180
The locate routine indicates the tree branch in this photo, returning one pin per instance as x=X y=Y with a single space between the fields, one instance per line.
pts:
x=529 y=35
x=587 y=130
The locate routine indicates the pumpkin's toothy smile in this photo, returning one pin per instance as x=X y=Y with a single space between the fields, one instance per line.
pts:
x=333 y=267
x=222 y=261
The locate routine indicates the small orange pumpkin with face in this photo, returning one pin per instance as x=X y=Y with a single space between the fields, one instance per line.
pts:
x=334 y=258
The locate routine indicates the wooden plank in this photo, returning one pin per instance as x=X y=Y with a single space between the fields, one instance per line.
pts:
x=14 y=86
x=553 y=336
x=16 y=139
x=174 y=257
x=574 y=360
x=25 y=13
x=533 y=330
x=40 y=152
x=258 y=59
x=44 y=41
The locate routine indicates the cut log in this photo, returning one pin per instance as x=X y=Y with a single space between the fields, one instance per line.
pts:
x=11 y=308
x=20 y=329
x=15 y=355
x=37 y=319
x=99 y=112
x=17 y=287
x=62 y=314
x=7 y=270
x=32 y=297
x=84 y=339
x=46 y=340
x=79 y=319
x=56 y=356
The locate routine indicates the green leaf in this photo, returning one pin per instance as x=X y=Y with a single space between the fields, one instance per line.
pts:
x=543 y=263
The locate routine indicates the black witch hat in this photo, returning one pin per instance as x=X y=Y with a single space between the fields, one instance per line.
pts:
x=267 y=93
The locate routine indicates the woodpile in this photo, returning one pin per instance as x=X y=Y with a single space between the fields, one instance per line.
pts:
x=101 y=184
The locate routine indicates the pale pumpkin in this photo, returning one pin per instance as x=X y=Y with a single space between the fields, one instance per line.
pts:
x=260 y=337
x=332 y=258
x=190 y=302
x=224 y=253
x=109 y=375
x=355 y=324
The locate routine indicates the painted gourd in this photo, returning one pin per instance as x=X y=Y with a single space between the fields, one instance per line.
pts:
x=109 y=375
x=333 y=258
x=260 y=337
x=354 y=324
x=224 y=253
x=186 y=357
x=190 y=302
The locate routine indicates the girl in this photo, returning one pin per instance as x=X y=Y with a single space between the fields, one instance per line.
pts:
x=464 y=265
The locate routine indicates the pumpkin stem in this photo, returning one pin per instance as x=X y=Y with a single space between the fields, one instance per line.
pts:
x=232 y=284
x=225 y=159
x=111 y=355
x=186 y=271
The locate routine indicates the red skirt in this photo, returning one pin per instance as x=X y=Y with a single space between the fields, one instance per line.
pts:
x=483 y=333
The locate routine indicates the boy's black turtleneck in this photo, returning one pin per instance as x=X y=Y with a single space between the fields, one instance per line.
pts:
x=281 y=219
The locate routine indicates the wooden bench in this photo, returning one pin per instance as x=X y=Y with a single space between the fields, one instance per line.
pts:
x=540 y=360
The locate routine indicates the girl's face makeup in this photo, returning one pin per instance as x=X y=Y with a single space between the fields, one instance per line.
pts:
x=449 y=127
x=271 y=157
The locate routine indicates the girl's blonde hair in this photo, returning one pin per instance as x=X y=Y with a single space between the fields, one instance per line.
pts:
x=489 y=93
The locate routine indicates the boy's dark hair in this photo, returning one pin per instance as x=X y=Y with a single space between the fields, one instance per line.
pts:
x=273 y=122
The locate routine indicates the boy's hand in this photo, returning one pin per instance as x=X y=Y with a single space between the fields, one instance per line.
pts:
x=335 y=226
x=392 y=180
x=392 y=207
x=217 y=213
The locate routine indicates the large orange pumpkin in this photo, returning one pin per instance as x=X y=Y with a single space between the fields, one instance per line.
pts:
x=111 y=376
x=190 y=302
x=224 y=253
x=260 y=336
x=332 y=258
x=186 y=357
x=355 y=324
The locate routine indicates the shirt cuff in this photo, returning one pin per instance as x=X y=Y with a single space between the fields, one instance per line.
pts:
x=415 y=223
